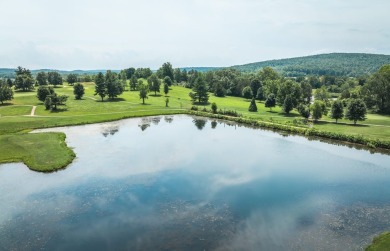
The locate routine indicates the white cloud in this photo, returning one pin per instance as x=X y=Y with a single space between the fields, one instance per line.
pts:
x=116 y=34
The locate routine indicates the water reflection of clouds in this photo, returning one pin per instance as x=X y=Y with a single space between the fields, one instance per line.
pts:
x=225 y=165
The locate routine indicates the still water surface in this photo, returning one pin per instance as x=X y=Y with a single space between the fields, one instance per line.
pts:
x=187 y=183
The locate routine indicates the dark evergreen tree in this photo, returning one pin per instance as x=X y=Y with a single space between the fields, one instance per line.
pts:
x=199 y=89
x=253 y=106
x=113 y=85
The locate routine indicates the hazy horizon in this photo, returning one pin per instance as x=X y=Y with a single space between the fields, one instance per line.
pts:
x=89 y=35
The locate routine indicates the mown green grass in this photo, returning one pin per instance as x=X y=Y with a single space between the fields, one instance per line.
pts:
x=91 y=109
x=13 y=110
x=380 y=243
x=43 y=152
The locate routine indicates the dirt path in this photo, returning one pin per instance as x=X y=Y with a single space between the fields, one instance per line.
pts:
x=33 y=111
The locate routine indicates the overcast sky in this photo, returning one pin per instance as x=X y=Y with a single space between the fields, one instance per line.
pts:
x=116 y=34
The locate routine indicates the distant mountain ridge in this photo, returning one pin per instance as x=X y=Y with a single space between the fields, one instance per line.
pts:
x=335 y=64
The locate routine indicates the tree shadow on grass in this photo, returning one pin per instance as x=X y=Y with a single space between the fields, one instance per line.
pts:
x=116 y=100
x=59 y=110
x=290 y=115
x=271 y=111
x=201 y=103
x=6 y=104
x=155 y=95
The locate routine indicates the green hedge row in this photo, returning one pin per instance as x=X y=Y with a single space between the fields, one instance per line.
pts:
x=357 y=139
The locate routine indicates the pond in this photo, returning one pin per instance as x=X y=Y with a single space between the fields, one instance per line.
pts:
x=190 y=183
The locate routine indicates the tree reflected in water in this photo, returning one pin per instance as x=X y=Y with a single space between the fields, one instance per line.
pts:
x=199 y=123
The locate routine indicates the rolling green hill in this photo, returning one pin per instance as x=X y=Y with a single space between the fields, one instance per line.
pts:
x=335 y=64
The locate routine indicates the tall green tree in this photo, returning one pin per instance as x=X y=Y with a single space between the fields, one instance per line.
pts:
x=154 y=84
x=267 y=74
x=199 y=89
x=41 y=78
x=219 y=90
x=270 y=101
x=337 y=110
x=304 y=110
x=53 y=101
x=100 y=86
x=177 y=75
x=289 y=88
x=260 y=93
x=71 y=79
x=356 y=110
x=247 y=92
x=166 y=70
x=288 y=104
x=306 y=91
x=322 y=94
x=253 y=106
x=255 y=85
x=54 y=78
x=129 y=72
x=166 y=89
x=143 y=91
x=9 y=82
x=43 y=92
x=24 y=83
x=6 y=92
x=24 y=80
x=78 y=90
x=167 y=80
x=318 y=109
x=113 y=85
x=133 y=82
x=377 y=89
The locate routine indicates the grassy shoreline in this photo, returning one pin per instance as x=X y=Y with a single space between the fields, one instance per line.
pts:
x=380 y=243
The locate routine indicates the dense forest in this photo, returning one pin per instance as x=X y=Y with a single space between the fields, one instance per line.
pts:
x=334 y=64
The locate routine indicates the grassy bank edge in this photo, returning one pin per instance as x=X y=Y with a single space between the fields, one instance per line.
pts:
x=380 y=243
x=309 y=132
x=42 y=149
